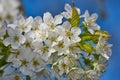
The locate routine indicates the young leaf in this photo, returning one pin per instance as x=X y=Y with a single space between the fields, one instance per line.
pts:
x=5 y=52
x=89 y=37
x=28 y=77
x=102 y=33
x=3 y=62
x=86 y=37
x=88 y=48
x=1 y=73
x=75 y=19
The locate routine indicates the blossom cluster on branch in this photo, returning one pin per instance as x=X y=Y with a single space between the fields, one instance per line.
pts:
x=39 y=48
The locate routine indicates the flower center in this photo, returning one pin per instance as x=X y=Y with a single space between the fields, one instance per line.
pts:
x=64 y=66
x=71 y=48
x=16 y=54
x=52 y=26
x=27 y=44
x=35 y=63
x=35 y=28
x=16 y=78
x=24 y=62
x=22 y=26
x=16 y=38
x=42 y=35
x=52 y=38
x=60 y=44
x=68 y=33
x=45 y=49
x=8 y=16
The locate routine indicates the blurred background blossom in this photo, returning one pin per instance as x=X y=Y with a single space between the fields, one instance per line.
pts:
x=9 y=10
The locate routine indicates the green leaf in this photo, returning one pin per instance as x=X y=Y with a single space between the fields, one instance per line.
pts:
x=96 y=56
x=1 y=73
x=5 y=52
x=80 y=44
x=28 y=77
x=86 y=37
x=3 y=61
x=88 y=48
x=102 y=33
x=85 y=28
x=89 y=37
x=75 y=19
x=87 y=61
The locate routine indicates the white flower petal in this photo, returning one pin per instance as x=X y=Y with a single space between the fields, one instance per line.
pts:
x=16 y=63
x=91 y=31
x=58 y=19
x=75 y=38
x=38 y=19
x=22 y=39
x=68 y=8
x=76 y=31
x=28 y=21
x=94 y=16
x=66 y=15
x=15 y=45
x=47 y=18
x=7 y=41
x=11 y=31
x=66 y=25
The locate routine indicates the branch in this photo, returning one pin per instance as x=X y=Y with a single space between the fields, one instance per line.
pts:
x=73 y=4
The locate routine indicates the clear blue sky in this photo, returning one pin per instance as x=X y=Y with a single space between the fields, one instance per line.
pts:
x=111 y=23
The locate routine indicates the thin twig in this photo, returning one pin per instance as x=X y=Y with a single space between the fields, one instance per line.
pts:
x=73 y=4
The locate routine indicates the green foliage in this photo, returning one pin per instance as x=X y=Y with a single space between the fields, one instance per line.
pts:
x=96 y=56
x=102 y=33
x=86 y=47
x=4 y=51
x=28 y=77
x=75 y=19
x=1 y=73
x=89 y=37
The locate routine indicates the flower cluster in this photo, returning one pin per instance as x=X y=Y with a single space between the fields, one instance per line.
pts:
x=50 y=47
x=9 y=9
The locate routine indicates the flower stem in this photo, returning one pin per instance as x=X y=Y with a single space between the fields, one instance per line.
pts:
x=73 y=4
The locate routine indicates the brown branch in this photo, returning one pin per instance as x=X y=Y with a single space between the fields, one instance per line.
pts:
x=73 y=4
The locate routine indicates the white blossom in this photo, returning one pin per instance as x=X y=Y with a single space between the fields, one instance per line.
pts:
x=52 y=22
x=24 y=24
x=44 y=49
x=103 y=48
x=13 y=76
x=70 y=34
x=15 y=38
x=68 y=11
x=90 y=21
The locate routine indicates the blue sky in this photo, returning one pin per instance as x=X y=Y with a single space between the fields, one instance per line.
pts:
x=111 y=23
